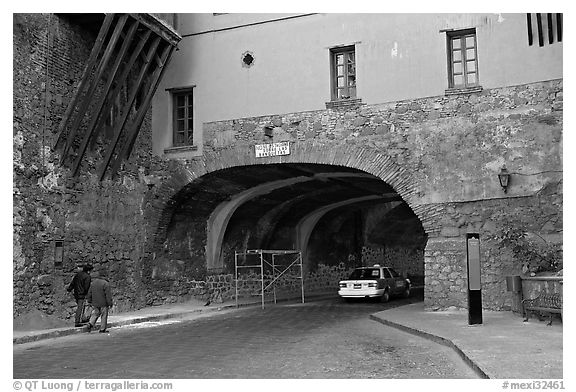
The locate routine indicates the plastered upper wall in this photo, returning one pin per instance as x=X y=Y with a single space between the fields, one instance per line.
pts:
x=399 y=56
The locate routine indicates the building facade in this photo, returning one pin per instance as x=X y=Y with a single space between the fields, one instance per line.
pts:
x=353 y=138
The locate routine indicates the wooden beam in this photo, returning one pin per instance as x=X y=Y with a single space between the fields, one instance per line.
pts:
x=93 y=85
x=134 y=130
x=124 y=76
x=160 y=27
x=87 y=71
x=550 y=28
x=98 y=106
x=120 y=125
x=529 y=25
x=540 y=32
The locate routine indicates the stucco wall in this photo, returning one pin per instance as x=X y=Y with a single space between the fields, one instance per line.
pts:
x=399 y=57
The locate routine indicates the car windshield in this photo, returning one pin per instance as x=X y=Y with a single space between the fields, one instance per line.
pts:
x=394 y=273
x=365 y=273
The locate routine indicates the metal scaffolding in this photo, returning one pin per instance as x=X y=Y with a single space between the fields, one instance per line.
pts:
x=268 y=258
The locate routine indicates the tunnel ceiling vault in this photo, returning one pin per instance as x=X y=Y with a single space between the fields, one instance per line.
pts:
x=179 y=208
x=325 y=184
x=242 y=196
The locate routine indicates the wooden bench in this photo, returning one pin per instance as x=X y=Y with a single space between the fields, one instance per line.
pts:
x=543 y=303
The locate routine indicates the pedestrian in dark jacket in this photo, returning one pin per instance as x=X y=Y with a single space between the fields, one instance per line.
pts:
x=100 y=297
x=80 y=285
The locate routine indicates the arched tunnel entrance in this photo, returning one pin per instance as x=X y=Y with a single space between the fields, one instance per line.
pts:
x=338 y=217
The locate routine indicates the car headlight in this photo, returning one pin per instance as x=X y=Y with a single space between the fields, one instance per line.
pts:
x=372 y=284
x=342 y=285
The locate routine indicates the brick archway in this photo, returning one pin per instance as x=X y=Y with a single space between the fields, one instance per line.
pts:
x=367 y=159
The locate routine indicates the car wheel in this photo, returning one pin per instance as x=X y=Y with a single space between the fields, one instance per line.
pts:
x=406 y=292
x=385 y=297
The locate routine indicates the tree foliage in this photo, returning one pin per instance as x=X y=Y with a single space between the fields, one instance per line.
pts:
x=533 y=252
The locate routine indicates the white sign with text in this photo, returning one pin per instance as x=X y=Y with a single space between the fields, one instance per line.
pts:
x=272 y=150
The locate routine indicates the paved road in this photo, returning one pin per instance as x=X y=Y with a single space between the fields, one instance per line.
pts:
x=323 y=339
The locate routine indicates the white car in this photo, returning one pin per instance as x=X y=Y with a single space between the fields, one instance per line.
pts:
x=376 y=281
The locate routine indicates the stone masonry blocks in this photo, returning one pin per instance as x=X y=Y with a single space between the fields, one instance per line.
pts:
x=122 y=223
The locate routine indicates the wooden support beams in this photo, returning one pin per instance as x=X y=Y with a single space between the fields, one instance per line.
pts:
x=133 y=131
x=97 y=109
x=540 y=31
x=159 y=27
x=529 y=26
x=121 y=81
x=85 y=75
x=120 y=124
x=122 y=73
x=89 y=97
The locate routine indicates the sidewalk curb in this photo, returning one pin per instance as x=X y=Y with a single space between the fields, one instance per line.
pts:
x=137 y=320
x=436 y=339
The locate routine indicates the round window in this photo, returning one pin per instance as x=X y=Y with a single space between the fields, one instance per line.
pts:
x=247 y=59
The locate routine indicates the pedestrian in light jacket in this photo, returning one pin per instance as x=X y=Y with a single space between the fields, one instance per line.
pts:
x=79 y=287
x=100 y=297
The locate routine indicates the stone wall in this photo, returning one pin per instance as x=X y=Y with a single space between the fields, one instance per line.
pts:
x=445 y=273
x=41 y=42
x=453 y=148
x=98 y=222
x=325 y=279
x=450 y=148
x=406 y=261
x=373 y=255
x=520 y=126
x=445 y=257
x=222 y=287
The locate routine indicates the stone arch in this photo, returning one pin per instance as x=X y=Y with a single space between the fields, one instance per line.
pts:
x=219 y=218
x=368 y=159
x=308 y=223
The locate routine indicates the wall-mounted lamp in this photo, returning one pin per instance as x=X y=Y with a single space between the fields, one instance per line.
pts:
x=504 y=178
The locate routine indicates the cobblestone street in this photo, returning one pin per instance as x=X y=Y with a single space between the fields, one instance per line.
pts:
x=323 y=339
